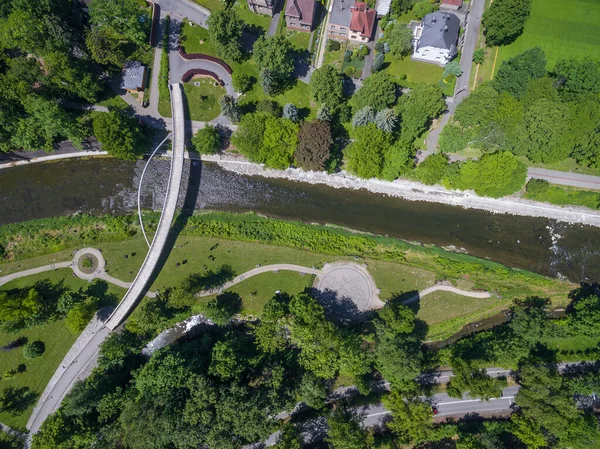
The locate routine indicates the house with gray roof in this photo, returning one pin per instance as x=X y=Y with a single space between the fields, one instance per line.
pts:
x=436 y=38
x=134 y=76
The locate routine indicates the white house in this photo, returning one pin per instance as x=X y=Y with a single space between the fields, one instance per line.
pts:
x=436 y=38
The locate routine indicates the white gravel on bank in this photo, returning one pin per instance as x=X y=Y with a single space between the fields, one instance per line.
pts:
x=414 y=191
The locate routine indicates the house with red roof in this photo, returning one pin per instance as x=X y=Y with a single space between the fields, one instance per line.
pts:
x=451 y=5
x=352 y=21
x=300 y=15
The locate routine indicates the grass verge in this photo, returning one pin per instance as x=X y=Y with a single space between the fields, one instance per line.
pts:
x=203 y=100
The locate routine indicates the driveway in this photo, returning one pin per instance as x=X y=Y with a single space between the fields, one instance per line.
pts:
x=185 y=8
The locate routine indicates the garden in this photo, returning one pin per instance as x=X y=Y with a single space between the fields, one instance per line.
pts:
x=202 y=98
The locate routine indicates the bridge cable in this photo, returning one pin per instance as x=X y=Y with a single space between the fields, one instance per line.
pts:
x=140 y=188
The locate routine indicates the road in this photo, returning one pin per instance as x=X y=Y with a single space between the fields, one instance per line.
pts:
x=141 y=281
x=565 y=178
x=461 y=91
x=185 y=8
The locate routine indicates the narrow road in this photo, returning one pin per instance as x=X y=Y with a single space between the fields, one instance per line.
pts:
x=186 y=8
x=140 y=283
x=446 y=288
x=565 y=178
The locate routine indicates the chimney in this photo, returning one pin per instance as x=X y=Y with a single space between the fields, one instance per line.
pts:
x=446 y=28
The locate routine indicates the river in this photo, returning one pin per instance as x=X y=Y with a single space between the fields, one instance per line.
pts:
x=104 y=185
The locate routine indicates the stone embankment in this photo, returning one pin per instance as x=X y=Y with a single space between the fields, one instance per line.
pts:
x=414 y=191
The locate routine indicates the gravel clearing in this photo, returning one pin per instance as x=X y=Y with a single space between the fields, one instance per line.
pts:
x=414 y=191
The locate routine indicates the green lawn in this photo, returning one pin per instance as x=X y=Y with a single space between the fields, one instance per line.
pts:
x=57 y=338
x=446 y=313
x=334 y=57
x=191 y=38
x=564 y=195
x=416 y=72
x=203 y=100
x=563 y=29
x=298 y=39
x=242 y=9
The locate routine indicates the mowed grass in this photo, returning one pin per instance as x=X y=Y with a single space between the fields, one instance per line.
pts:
x=203 y=100
x=243 y=11
x=446 y=313
x=565 y=195
x=55 y=335
x=298 y=39
x=563 y=29
x=416 y=72
x=195 y=39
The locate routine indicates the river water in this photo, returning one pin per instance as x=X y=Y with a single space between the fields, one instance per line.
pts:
x=104 y=185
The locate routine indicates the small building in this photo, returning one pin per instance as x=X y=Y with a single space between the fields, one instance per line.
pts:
x=383 y=7
x=351 y=21
x=134 y=76
x=300 y=15
x=436 y=38
x=266 y=7
x=451 y=5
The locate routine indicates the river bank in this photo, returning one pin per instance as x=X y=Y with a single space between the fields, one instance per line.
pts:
x=415 y=191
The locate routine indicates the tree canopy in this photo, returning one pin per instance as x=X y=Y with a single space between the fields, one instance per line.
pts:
x=118 y=134
x=326 y=86
x=225 y=29
x=504 y=21
x=314 y=145
x=377 y=91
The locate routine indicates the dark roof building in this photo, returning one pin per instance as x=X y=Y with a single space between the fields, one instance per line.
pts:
x=436 y=38
x=300 y=14
x=134 y=76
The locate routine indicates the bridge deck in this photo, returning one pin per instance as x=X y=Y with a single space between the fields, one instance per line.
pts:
x=140 y=283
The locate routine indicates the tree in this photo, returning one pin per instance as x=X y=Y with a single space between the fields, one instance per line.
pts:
x=230 y=108
x=222 y=308
x=495 y=175
x=242 y=82
x=326 y=86
x=248 y=137
x=123 y=18
x=150 y=317
x=288 y=438
x=104 y=48
x=345 y=430
x=547 y=414
x=386 y=120
x=271 y=331
x=118 y=134
x=454 y=138
x=476 y=382
x=268 y=82
x=207 y=140
x=363 y=117
x=400 y=38
x=290 y=112
x=577 y=77
x=542 y=136
x=225 y=30
x=279 y=143
x=424 y=7
x=317 y=338
x=515 y=74
x=504 y=21
x=479 y=56
x=585 y=315
x=432 y=169
x=584 y=127
x=422 y=104
x=20 y=307
x=453 y=68
x=45 y=124
x=411 y=419
x=365 y=155
x=313 y=391
x=378 y=62
x=80 y=315
x=34 y=349
x=399 y=159
x=274 y=54
x=477 y=108
x=398 y=7
x=231 y=357
x=314 y=145
x=323 y=114
x=377 y=91
x=270 y=107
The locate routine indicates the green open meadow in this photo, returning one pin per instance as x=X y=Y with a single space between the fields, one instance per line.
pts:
x=563 y=29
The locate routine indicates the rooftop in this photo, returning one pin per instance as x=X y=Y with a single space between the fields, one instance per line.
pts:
x=133 y=75
x=440 y=30
x=341 y=13
x=452 y=2
x=303 y=9
x=363 y=19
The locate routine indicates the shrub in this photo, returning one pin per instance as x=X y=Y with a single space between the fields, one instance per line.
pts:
x=163 y=74
x=479 y=56
x=347 y=55
x=242 y=82
x=537 y=186
x=333 y=45
x=379 y=47
x=350 y=70
x=207 y=140
x=34 y=349
x=378 y=62
x=9 y=374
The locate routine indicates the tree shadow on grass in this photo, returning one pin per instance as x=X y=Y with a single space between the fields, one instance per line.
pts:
x=339 y=308
x=17 y=400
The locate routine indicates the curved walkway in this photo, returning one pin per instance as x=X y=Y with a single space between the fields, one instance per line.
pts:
x=447 y=288
x=140 y=284
x=99 y=273
x=342 y=272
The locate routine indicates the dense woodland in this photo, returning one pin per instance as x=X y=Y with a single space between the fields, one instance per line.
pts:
x=225 y=386
x=54 y=55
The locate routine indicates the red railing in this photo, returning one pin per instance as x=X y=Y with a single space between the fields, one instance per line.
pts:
x=155 y=19
x=191 y=56
x=187 y=76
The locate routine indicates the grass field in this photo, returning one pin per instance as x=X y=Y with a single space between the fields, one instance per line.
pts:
x=203 y=100
x=57 y=338
x=190 y=39
x=298 y=39
x=563 y=29
x=241 y=8
x=416 y=72
x=564 y=195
